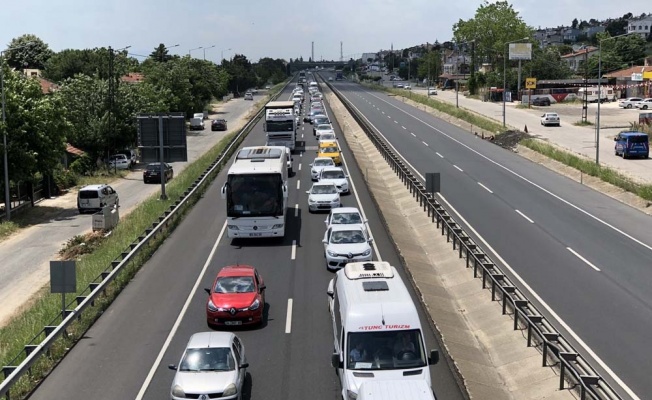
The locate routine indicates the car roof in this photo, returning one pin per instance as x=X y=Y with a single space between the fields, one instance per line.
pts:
x=633 y=133
x=345 y=210
x=327 y=144
x=323 y=184
x=237 y=270
x=322 y=158
x=93 y=187
x=202 y=340
x=219 y=120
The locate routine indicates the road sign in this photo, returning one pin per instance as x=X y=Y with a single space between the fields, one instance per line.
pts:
x=530 y=83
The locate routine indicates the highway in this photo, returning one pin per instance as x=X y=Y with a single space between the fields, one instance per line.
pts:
x=126 y=353
x=583 y=257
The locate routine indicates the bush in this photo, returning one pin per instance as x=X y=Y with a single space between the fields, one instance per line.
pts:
x=82 y=165
x=64 y=178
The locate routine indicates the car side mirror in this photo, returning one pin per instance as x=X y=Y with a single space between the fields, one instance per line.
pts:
x=371 y=240
x=310 y=165
x=434 y=357
x=207 y=290
x=172 y=367
x=335 y=361
x=330 y=293
x=244 y=365
x=223 y=192
x=263 y=287
x=307 y=191
x=324 y=241
x=615 y=139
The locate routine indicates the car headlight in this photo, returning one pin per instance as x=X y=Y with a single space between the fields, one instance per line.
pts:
x=277 y=226
x=230 y=390
x=211 y=306
x=233 y=227
x=254 y=306
x=177 y=391
x=311 y=201
x=351 y=395
x=366 y=252
x=331 y=253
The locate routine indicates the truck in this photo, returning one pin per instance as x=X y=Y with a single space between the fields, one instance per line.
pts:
x=339 y=76
x=256 y=192
x=280 y=124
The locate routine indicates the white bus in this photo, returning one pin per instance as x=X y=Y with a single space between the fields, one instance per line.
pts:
x=280 y=124
x=256 y=193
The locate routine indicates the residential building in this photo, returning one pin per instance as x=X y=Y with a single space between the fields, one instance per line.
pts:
x=570 y=34
x=576 y=58
x=640 y=26
x=628 y=87
x=133 y=77
x=47 y=86
x=366 y=56
x=591 y=31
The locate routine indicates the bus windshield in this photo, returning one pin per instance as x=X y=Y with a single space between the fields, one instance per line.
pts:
x=385 y=350
x=255 y=195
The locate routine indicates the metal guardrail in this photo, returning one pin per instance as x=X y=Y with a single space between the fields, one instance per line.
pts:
x=574 y=368
x=35 y=348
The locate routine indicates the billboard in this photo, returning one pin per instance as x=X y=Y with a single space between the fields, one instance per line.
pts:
x=520 y=51
x=173 y=137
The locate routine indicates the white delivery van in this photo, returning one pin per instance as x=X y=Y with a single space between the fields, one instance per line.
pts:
x=95 y=197
x=376 y=328
x=395 y=390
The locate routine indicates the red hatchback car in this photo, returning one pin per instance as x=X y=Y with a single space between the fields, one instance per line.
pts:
x=236 y=298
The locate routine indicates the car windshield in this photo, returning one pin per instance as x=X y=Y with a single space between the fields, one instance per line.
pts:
x=324 y=127
x=322 y=163
x=385 y=350
x=347 y=237
x=207 y=359
x=332 y=174
x=324 y=189
x=235 y=284
x=330 y=149
x=346 y=218
x=320 y=121
x=327 y=136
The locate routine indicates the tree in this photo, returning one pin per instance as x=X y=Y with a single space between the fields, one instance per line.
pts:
x=611 y=60
x=90 y=62
x=160 y=54
x=35 y=127
x=493 y=25
x=430 y=66
x=574 y=24
x=34 y=54
x=547 y=64
x=241 y=72
x=631 y=48
x=269 y=70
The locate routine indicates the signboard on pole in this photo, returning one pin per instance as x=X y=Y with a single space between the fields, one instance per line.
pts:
x=530 y=83
x=520 y=51
x=636 y=77
x=174 y=137
x=647 y=75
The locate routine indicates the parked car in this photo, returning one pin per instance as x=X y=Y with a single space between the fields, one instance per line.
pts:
x=95 y=197
x=330 y=79
x=550 y=119
x=644 y=104
x=629 y=102
x=212 y=362
x=218 y=125
x=131 y=154
x=432 y=91
x=407 y=87
x=236 y=298
x=119 y=161
x=249 y=96
x=541 y=101
x=152 y=172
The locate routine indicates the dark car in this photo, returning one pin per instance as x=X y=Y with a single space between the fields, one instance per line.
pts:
x=153 y=172
x=218 y=125
x=541 y=101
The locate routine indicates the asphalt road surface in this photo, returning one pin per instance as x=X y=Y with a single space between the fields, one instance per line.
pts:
x=126 y=353
x=584 y=257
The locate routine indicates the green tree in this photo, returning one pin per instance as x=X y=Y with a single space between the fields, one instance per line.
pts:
x=611 y=60
x=90 y=62
x=269 y=70
x=241 y=72
x=160 y=53
x=493 y=25
x=430 y=66
x=547 y=64
x=631 y=48
x=34 y=52
x=35 y=127
x=574 y=23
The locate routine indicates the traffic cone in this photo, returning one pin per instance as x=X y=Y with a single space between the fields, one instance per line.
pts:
x=526 y=129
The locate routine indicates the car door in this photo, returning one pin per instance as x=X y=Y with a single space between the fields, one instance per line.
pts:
x=237 y=349
x=327 y=238
x=112 y=196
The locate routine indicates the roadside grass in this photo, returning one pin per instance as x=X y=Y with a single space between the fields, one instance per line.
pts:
x=7 y=228
x=589 y=167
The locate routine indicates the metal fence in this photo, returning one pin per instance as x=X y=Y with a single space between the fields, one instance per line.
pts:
x=555 y=348
x=41 y=343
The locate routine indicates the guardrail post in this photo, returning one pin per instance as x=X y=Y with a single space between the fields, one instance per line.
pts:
x=495 y=278
x=565 y=357
x=507 y=290
x=517 y=307
x=548 y=336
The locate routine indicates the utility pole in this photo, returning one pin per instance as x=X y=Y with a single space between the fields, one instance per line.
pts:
x=585 y=103
x=111 y=103
x=341 y=53
x=312 y=52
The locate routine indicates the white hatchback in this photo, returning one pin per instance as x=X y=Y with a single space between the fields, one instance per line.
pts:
x=344 y=216
x=323 y=128
x=336 y=176
x=318 y=164
x=323 y=197
x=344 y=244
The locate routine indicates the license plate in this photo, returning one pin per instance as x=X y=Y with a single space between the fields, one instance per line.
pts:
x=232 y=322
x=255 y=234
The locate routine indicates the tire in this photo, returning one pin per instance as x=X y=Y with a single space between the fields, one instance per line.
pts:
x=644 y=107
x=628 y=106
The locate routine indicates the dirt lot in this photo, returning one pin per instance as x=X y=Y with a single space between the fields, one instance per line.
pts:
x=611 y=115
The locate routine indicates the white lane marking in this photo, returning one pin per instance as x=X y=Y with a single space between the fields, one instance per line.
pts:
x=383 y=112
x=293 y=256
x=525 y=216
x=583 y=259
x=395 y=121
x=296 y=210
x=301 y=154
x=288 y=318
x=649 y=247
x=403 y=127
x=458 y=168
x=485 y=188
x=389 y=116
x=300 y=167
x=173 y=331
x=413 y=134
x=424 y=143
x=302 y=135
x=298 y=184
x=440 y=156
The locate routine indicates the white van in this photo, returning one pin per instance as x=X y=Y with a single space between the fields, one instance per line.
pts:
x=376 y=329
x=395 y=390
x=95 y=197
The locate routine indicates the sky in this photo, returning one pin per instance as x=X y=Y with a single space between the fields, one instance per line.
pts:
x=276 y=29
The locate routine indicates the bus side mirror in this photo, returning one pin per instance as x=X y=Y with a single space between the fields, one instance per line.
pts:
x=434 y=357
x=224 y=192
x=335 y=361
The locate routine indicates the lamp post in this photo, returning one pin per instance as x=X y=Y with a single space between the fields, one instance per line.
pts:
x=457 y=88
x=205 y=48
x=505 y=76
x=165 y=49
x=4 y=131
x=112 y=98
x=222 y=54
x=597 y=122
x=196 y=48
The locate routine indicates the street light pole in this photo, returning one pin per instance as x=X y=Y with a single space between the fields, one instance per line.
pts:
x=505 y=77
x=4 y=131
x=222 y=54
x=196 y=48
x=597 y=122
x=205 y=50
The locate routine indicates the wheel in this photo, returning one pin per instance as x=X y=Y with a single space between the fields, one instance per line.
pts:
x=624 y=155
x=644 y=107
x=629 y=106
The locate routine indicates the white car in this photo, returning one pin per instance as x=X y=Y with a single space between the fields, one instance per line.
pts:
x=407 y=87
x=644 y=104
x=323 y=196
x=344 y=216
x=327 y=137
x=318 y=164
x=550 y=119
x=119 y=161
x=336 y=176
x=345 y=244
x=432 y=91
x=629 y=102
x=213 y=362
x=323 y=128
x=330 y=79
